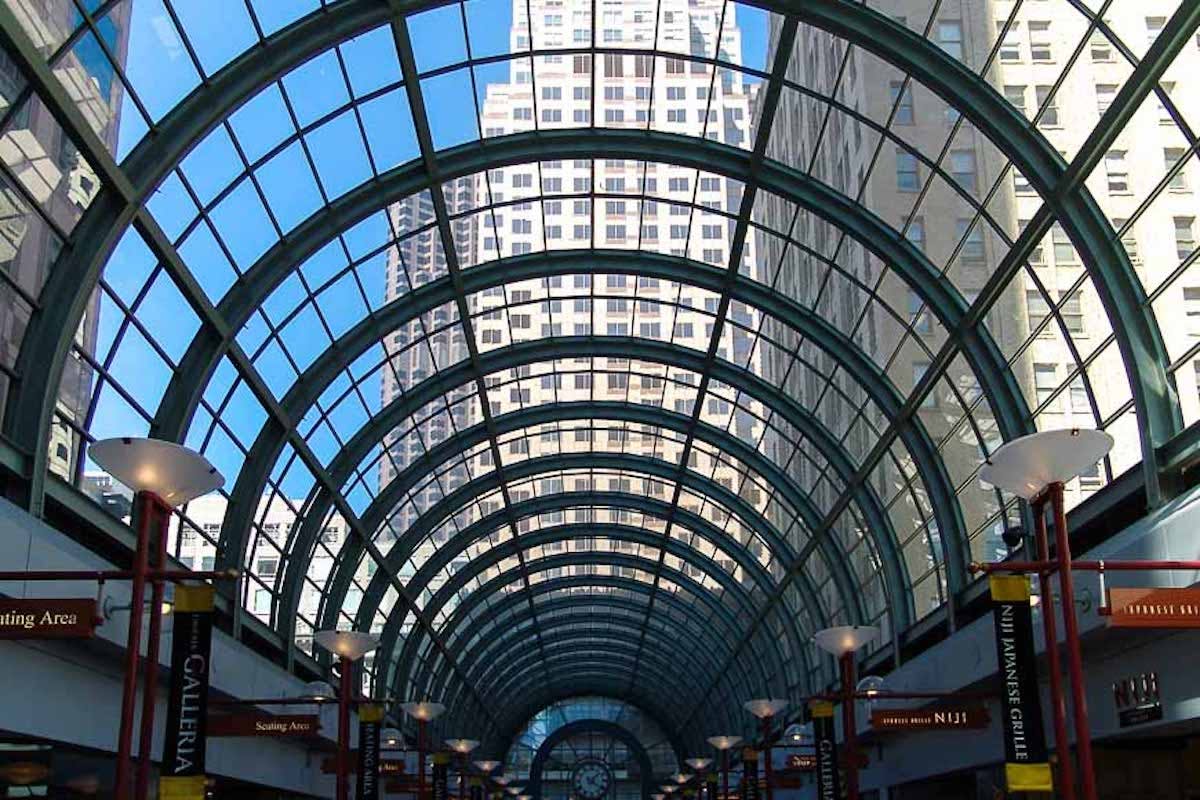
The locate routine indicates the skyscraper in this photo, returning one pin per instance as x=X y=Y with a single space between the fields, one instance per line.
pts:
x=960 y=216
x=46 y=186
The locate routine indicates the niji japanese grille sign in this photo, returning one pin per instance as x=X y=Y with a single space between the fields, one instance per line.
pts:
x=187 y=698
x=1026 y=766
x=1154 y=608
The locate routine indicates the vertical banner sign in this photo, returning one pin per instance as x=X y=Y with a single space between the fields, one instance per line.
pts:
x=828 y=779
x=476 y=790
x=441 y=776
x=1026 y=766
x=749 y=788
x=187 y=697
x=712 y=786
x=369 y=719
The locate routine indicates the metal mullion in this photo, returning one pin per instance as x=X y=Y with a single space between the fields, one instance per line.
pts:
x=407 y=58
x=770 y=105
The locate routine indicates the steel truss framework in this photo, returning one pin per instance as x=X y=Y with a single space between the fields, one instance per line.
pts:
x=530 y=632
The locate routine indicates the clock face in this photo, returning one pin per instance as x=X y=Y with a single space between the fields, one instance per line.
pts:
x=591 y=780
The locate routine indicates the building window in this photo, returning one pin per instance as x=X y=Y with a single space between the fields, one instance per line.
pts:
x=904 y=108
x=1010 y=46
x=1064 y=251
x=918 y=315
x=1154 y=28
x=1071 y=312
x=1037 y=309
x=1185 y=236
x=971 y=253
x=1039 y=42
x=1191 y=309
x=916 y=233
x=1118 y=172
x=962 y=168
x=1015 y=95
x=919 y=369
x=1105 y=92
x=1047 y=107
x=1045 y=381
x=1171 y=157
x=1129 y=241
x=950 y=37
x=907 y=173
x=1101 y=49
x=1167 y=88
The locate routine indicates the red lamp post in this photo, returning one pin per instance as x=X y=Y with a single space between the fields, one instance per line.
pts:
x=766 y=710
x=349 y=647
x=723 y=744
x=424 y=712
x=1035 y=468
x=463 y=748
x=842 y=642
x=162 y=475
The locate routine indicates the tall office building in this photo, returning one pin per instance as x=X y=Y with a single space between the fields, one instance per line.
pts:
x=893 y=179
x=46 y=186
x=579 y=204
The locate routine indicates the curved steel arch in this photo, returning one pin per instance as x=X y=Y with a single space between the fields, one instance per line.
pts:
x=526 y=710
x=434 y=674
x=600 y=411
x=594 y=677
x=963 y=90
x=572 y=644
x=612 y=729
x=559 y=533
x=460 y=579
x=565 y=610
x=358 y=448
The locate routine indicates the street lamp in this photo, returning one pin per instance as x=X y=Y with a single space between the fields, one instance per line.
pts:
x=463 y=747
x=766 y=710
x=842 y=642
x=424 y=712
x=487 y=767
x=700 y=765
x=1035 y=468
x=724 y=744
x=162 y=475
x=348 y=646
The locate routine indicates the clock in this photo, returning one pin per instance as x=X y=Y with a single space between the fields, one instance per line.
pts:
x=591 y=780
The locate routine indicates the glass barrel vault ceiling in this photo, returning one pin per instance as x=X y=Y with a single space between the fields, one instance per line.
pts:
x=533 y=333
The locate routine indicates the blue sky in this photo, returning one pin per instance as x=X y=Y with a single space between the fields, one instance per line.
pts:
x=162 y=73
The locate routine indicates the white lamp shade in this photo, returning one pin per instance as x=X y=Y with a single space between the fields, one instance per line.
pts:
x=681 y=777
x=170 y=471
x=724 y=742
x=423 y=710
x=512 y=790
x=1026 y=466
x=765 y=707
x=350 y=645
x=668 y=788
x=486 y=766
x=657 y=796
x=844 y=639
x=319 y=691
x=462 y=746
x=502 y=780
x=698 y=764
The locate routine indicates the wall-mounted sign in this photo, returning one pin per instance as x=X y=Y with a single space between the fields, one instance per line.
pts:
x=182 y=776
x=1026 y=766
x=930 y=719
x=1153 y=608
x=386 y=766
x=47 y=618
x=261 y=724
x=1138 y=699
x=829 y=780
x=801 y=762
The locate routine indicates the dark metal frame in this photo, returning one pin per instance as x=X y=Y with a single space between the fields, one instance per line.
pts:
x=126 y=187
